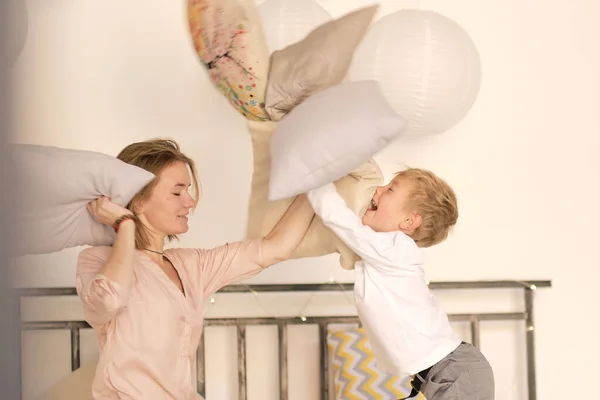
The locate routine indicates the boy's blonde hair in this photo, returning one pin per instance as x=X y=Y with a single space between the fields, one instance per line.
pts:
x=155 y=155
x=435 y=201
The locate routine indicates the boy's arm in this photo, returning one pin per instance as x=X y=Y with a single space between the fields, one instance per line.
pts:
x=380 y=247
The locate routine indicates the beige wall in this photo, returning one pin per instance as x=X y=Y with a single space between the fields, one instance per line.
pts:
x=99 y=75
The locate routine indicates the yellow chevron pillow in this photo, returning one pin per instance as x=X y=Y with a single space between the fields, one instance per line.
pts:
x=355 y=373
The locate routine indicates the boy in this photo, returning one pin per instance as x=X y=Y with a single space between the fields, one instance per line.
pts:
x=407 y=330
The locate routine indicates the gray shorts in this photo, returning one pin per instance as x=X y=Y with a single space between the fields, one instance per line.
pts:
x=464 y=374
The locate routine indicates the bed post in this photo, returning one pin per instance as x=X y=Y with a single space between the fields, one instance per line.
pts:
x=475 y=332
x=324 y=358
x=283 y=364
x=529 y=342
x=241 y=342
x=75 y=345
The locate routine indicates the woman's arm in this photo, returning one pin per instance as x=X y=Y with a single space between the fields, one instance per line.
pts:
x=119 y=267
x=287 y=234
x=104 y=284
x=237 y=261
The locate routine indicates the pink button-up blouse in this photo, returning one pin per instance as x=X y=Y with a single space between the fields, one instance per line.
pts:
x=148 y=334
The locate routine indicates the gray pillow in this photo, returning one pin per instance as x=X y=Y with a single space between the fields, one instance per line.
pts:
x=329 y=135
x=54 y=186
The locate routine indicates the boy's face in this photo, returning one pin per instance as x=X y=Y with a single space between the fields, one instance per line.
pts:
x=390 y=208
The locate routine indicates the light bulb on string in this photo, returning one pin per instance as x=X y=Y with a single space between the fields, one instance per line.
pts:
x=342 y=289
x=207 y=310
x=258 y=301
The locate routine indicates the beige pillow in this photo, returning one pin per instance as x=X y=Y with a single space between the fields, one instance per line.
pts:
x=356 y=188
x=319 y=61
x=75 y=386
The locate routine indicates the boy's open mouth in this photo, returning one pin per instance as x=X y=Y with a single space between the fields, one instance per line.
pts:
x=373 y=206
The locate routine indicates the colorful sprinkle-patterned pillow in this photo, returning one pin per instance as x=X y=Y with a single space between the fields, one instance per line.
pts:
x=228 y=38
x=355 y=373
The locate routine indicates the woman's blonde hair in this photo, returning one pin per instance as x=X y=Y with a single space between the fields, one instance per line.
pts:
x=154 y=155
x=435 y=201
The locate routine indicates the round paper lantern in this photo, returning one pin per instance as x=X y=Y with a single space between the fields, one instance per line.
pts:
x=289 y=21
x=17 y=29
x=428 y=67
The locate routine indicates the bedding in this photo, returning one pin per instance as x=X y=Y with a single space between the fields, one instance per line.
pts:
x=356 y=188
x=355 y=372
x=228 y=38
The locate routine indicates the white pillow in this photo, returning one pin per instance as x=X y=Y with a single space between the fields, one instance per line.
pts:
x=328 y=135
x=54 y=186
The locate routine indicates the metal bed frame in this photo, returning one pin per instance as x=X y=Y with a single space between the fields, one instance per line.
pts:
x=474 y=320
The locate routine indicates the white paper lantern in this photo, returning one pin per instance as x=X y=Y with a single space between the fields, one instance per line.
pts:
x=428 y=67
x=289 y=21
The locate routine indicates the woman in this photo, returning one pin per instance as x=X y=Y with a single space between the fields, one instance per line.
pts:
x=146 y=303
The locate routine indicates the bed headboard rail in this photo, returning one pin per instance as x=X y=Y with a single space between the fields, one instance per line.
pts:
x=323 y=322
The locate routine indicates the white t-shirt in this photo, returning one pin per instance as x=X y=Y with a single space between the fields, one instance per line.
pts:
x=407 y=330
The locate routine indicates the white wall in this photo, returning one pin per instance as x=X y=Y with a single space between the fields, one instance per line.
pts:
x=524 y=163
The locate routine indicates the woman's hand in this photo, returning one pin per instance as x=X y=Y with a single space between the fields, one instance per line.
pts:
x=104 y=211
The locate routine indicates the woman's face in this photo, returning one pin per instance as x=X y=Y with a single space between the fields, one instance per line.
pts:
x=166 y=211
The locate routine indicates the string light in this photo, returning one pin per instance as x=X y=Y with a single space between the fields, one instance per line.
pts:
x=302 y=314
x=212 y=300
x=331 y=280
x=302 y=317
x=259 y=303
x=530 y=286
